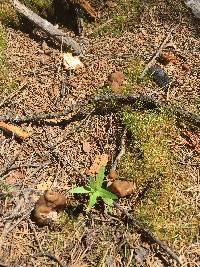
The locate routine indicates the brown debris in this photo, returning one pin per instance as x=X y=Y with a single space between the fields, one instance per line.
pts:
x=14 y=129
x=167 y=57
x=86 y=147
x=46 y=205
x=122 y=188
x=186 y=67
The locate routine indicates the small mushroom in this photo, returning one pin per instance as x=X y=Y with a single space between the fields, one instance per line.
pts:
x=116 y=80
x=113 y=175
x=117 y=76
x=122 y=188
x=47 y=206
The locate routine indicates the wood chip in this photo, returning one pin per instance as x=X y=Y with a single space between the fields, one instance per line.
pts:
x=14 y=129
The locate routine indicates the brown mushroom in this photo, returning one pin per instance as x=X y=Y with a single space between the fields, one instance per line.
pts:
x=113 y=175
x=117 y=76
x=48 y=203
x=116 y=80
x=122 y=188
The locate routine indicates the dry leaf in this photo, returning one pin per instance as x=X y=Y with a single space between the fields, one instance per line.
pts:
x=100 y=160
x=86 y=146
x=122 y=188
x=71 y=62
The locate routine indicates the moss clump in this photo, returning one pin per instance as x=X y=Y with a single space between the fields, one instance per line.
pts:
x=152 y=137
x=38 y=5
x=8 y=15
x=163 y=206
x=6 y=83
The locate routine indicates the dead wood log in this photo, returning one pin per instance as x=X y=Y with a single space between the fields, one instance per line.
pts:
x=148 y=101
x=47 y=27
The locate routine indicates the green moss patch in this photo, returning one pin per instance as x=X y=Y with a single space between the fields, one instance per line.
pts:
x=163 y=205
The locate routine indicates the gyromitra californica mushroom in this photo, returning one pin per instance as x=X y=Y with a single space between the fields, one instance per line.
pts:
x=116 y=80
x=122 y=188
x=47 y=206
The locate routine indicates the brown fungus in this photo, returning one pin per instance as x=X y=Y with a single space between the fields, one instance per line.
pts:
x=47 y=206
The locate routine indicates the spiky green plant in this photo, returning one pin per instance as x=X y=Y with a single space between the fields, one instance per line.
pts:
x=95 y=191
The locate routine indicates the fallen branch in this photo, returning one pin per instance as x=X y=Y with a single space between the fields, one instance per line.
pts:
x=149 y=234
x=47 y=27
x=21 y=134
x=149 y=101
x=159 y=50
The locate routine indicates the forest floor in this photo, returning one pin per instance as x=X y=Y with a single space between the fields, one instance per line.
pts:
x=60 y=151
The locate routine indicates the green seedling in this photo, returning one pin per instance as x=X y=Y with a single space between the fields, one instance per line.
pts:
x=95 y=191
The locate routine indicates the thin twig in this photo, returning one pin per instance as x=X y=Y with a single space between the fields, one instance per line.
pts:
x=9 y=165
x=159 y=50
x=150 y=235
x=46 y=26
x=122 y=150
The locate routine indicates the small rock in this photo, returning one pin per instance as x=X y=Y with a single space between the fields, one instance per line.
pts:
x=122 y=188
x=160 y=77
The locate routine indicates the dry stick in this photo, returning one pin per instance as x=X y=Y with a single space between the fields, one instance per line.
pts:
x=150 y=101
x=122 y=150
x=158 y=51
x=151 y=236
x=47 y=27
x=42 y=253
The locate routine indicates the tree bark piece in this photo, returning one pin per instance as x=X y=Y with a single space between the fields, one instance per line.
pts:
x=47 y=27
